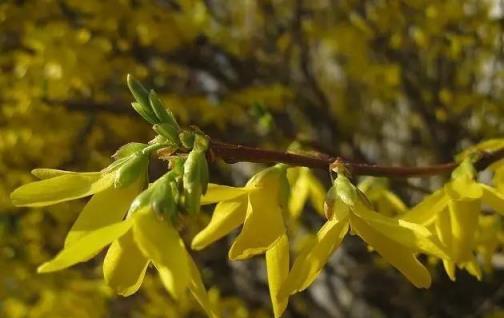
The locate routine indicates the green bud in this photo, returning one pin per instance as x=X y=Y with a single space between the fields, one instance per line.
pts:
x=131 y=170
x=204 y=174
x=159 y=195
x=141 y=200
x=162 y=200
x=162 y=113
x=192 y=181
x=145 y=113
x=187 y=138
x=168 y=131
x=200 y=142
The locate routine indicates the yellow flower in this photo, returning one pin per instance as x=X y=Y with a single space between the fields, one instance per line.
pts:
x=489 y=238
x=454 y=211
x=107 y=206
x=306 y=187
x=141 y=239
x=259 y=206
x=385 y=201
x=396 y=240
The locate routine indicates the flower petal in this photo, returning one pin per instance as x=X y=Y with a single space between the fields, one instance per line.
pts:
x=86 y=247
x=263 y=225
x=160 y=242
x=450 y=269
x=124 y=266
x=464 y=221
x=402 y=258
x=227 y=216
x=46 y=173
x=317 y=194
x=198 y=289
x=104 y=208
x=277 y=265
x=493 y=198
x=413 y=236
x=301 y=188
x=59 y=189
x=425 y=212
x=313 y=257
x=216 y=193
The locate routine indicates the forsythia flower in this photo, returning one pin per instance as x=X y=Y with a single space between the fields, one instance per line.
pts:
x=259 y=206
x=107 y=206
x=489 y=237
x=139 y=240
x=306 y=187
x=454 y=212
x=385 y=201
x=396 y=240
x=142 y=238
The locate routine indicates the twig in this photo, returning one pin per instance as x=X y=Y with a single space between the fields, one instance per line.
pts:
x=232 y=153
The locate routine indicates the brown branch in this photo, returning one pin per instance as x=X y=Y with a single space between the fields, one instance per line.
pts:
x=231 y=153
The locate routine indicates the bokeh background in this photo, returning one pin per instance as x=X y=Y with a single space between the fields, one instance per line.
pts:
x=384 y=81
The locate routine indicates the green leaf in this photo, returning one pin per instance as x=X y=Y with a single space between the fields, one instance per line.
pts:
x=145 y=113
x=142 y=97
x=164 y=115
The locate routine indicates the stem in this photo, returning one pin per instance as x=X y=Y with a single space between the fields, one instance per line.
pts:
x=232 y=153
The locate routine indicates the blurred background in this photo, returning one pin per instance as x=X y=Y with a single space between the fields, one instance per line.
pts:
x=382 y=81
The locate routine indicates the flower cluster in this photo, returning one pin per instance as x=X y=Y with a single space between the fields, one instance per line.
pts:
x=138 y=221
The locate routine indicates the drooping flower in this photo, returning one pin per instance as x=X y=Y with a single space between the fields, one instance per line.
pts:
x=141 y=239
x=395 y=240
x=112 y=190
x=260 y=207
x=489 y=238
x=453 y=211
x=306 y=188
x=383 y=200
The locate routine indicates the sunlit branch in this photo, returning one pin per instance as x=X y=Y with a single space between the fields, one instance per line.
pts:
x=233 y=153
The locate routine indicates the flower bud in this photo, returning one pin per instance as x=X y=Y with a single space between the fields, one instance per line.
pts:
x=131 y=170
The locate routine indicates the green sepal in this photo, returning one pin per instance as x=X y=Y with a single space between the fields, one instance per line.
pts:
x=204 y=174
x=131 y=170
x=145 y=113
x=192 y=181
x=162 y=113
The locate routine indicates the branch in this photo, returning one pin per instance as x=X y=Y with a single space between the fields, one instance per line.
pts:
x=231 y=153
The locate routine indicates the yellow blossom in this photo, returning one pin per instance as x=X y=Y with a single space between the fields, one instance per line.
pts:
x=454 y=211
x=396 y=240
x=141 y=239
x=306 y=187
x=260 y=207
x=385 y=201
